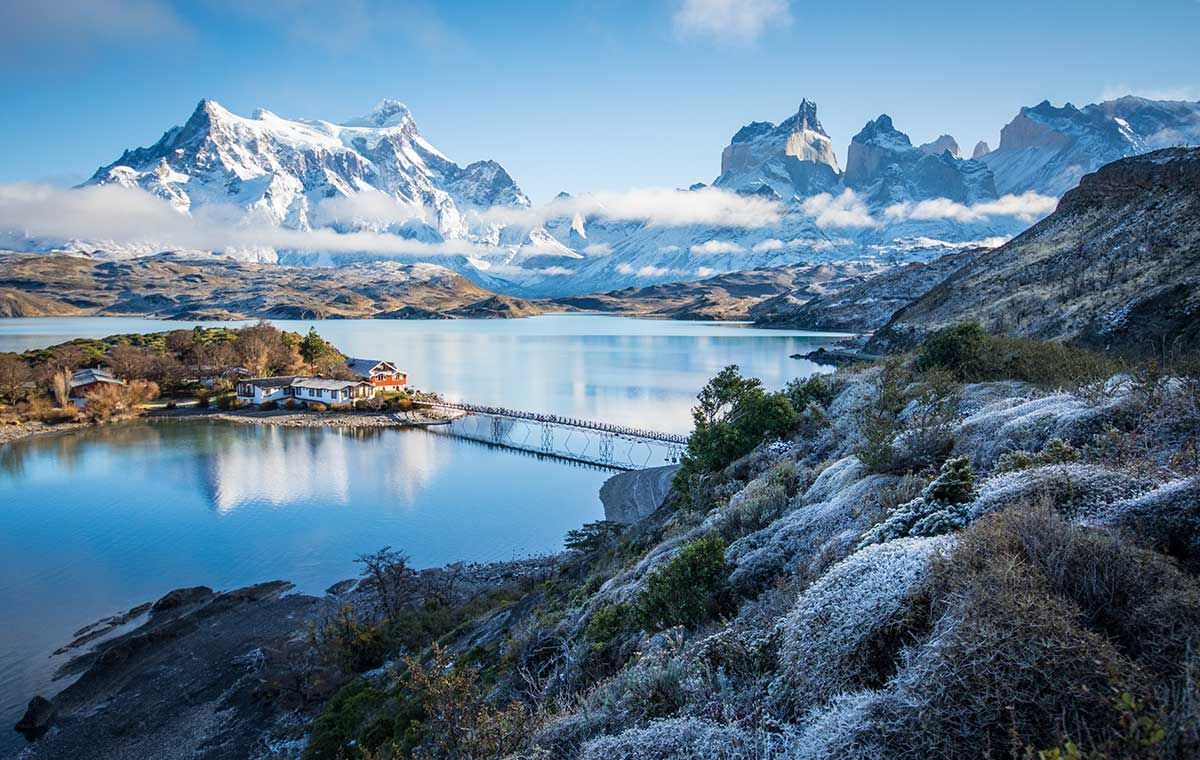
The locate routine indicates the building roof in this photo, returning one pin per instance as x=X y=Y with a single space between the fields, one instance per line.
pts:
x=91 y=376
x=364 y=367
x=270 y=382
x=325 y=383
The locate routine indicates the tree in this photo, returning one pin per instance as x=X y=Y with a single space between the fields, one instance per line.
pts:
x=60 y=386
x=15 y=375
x=264 y=350
x=387 y=572
x=734 y=414
x=111 y=400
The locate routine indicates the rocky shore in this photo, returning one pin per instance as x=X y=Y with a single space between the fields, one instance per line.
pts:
x=214 y=674
x=20 y=430
x=355 y=419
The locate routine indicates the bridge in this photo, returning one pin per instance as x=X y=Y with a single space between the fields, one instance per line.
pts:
x=617 y=446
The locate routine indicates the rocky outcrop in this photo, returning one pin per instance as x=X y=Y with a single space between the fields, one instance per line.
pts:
x=1114 y=267
x=981 y=150
x=883 y=165
x=944 y=144
x=793 y=158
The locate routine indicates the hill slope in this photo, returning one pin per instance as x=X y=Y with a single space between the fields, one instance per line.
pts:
x=1117 y=265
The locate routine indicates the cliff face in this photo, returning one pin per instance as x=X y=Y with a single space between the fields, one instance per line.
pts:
x=1117 y=266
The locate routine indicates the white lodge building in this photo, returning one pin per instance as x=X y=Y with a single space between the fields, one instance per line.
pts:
x=302 y=389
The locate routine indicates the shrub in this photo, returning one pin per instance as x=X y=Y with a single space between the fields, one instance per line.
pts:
x=804 y=393
x=289 y=404
x=345 y=641
x=955 y=483
x=1056 y=451
x=268 y=406
x=317 y=406
x=972 y=355
x=225 y=403
x=609 y=621
x=960 y=349
x=879 y=422
x=690 y=588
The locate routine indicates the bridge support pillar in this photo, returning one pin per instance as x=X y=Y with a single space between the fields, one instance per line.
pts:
x=547 y=438
x=497 y=429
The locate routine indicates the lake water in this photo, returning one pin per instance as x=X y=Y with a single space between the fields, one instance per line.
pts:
x=96 y=522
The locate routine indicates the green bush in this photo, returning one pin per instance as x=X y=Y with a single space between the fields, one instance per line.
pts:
x=972 y=355
x=734 y=414
x=955 y=483
x=225 y=403
x=608 y=622
x=690 y=588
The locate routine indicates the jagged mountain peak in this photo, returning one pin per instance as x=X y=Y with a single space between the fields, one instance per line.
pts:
x=981 y=149
x=941 y=145
x=386 y=113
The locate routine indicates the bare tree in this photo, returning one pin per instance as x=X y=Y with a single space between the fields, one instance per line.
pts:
x=387 y=572
x=15 y=375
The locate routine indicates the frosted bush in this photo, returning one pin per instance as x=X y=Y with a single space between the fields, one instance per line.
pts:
x=808 y=532
x=688 y=739
x=1027 y=424
x=843 y=728
x=849 y=621
x=941 y=507
x=1072 y=488
x=1169 y=516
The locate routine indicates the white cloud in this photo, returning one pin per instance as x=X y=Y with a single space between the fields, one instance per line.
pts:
x=652 y=271
x=770 y=244
x=555 y=271
x=705 y=272
x=739 y=22
x=370 y=208
x=128 y=216
x=598 y=249
x=654 y=207
x=1027 y=207
x=717 y=246
x=844 y=210
x=668 y=249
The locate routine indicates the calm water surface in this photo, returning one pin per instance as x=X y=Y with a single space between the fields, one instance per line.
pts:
x=97 y=522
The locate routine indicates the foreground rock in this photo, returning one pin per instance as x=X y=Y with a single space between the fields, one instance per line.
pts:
x=631 y=496
x=206 y=675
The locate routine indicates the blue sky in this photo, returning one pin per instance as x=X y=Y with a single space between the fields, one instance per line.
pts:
x=569 y=95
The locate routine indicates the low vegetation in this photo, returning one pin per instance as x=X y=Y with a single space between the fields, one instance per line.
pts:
x=948 y=554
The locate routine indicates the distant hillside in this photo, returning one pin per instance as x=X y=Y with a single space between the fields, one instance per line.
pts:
x=732 y=296
x=168 y=287
x=1116 y=266
x=865 y=306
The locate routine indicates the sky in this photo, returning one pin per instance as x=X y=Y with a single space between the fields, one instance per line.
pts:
x=607 y=95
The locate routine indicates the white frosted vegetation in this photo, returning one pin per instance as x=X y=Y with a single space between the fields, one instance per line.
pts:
x=844 y=628
x=686 y=739
x=818 y=528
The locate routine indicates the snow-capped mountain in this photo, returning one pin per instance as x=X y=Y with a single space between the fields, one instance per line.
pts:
x=283 y=171
x=1048 y=149
x=794 y=158
x=893 y=201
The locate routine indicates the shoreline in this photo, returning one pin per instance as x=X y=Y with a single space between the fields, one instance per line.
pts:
x=284 y=418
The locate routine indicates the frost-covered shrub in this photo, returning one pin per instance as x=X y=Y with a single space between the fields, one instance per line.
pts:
x=690 y=588
x=847 y=629
x=941 y=508
x=954 y=484
x=1056 y=451
x=760 y=503
x=1025 y=424
x=822 y=529
x=1167 y=517
x=1073 y=489
x=688 y=739
x=843 y=728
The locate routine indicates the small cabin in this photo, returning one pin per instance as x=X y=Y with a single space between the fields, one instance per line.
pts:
x=326 y=391
x=86 y=381
x=260 y=390
x=381 y=374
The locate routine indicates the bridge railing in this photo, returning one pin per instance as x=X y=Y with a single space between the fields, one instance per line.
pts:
x=554 y=419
